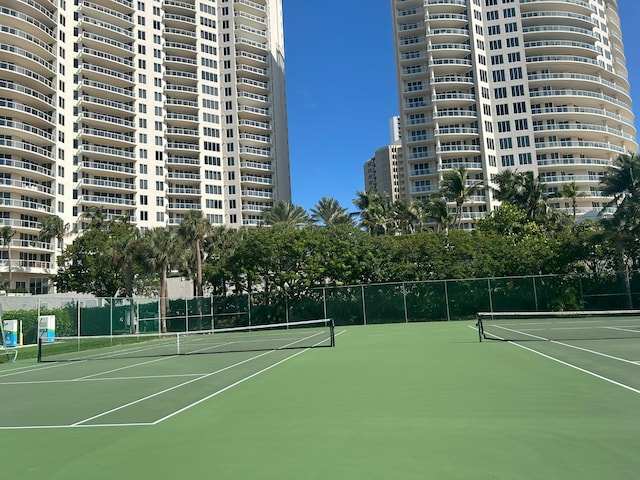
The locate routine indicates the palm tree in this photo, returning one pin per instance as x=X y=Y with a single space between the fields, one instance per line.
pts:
x=456 y=186
x=420 y=212
x=622 y=180
x=376 y=211
x=94 y=217
x=287 y=215
x=219 y=245
x=438 y=212
x=6 y=234
x=163 y=249
x=535 y=197
x=572 y=192
x=125 y=251
x=53 y=227
x=622 y=183
x=328 y=211
x=522 y=190
x=194 y=228
x=404 y=218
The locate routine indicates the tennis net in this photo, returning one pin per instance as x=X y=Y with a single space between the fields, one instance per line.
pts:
x=300 y=335
x=571 y=325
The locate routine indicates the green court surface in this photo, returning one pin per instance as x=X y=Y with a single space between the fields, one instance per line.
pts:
x=402 y=401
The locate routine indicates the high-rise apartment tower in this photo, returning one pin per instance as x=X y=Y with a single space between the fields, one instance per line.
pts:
x=145 y=108
x=528 y=85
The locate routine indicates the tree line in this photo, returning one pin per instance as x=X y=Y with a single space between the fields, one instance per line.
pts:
x=383 y=242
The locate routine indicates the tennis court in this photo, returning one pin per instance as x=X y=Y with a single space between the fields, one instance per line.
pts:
x=410 y=401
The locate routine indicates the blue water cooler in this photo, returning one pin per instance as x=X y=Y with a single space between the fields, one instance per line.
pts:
x=47 y=328
x=10 y=328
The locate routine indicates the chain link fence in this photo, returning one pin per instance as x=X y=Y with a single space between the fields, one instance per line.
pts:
x=442 y=300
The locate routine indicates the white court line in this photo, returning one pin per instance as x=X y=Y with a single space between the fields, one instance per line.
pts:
x=583 y=370
x=588 y=372
x=173 y=414
x=195 y=380
x=108 y=379
x=122 y=368
x=168 y=389
x=594 y=352
x=136 y=424
x=33 y=368
x=198 y=402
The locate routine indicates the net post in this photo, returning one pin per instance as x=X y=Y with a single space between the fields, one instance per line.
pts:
x=332 y=332
x=480 y=327
x=39 y=349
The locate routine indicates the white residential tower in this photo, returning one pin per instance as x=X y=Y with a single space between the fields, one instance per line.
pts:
x=145 y=108
x=537 y=85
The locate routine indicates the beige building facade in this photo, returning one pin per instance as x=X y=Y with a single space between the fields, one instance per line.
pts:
x=145 y=108
x=527 y=85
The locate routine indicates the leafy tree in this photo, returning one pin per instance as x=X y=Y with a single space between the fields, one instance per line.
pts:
x=509 y=221
x=328 y=211
x=455 y=186
x=6 y=235
x=163 y=250
x=85 y=267
x=286 y=215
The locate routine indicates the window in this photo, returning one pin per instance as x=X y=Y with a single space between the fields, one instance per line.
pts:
x=506 y=143
x=515 y=73
x=507 y=160
x=502 y=109
x=525 y=158
x=498 y=76
x=519 y=107
x=492 y=15
x=500 y=92
x=504 y=126
x=517 y=90
x=513 y=42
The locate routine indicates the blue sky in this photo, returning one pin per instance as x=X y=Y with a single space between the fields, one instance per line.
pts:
x=341 y=90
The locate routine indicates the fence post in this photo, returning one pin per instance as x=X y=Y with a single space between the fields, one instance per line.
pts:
x=535 y=293
x=490 y=295
x=249 y=306
x=446 y=298
x=404 y=301
x=186 y=315
x=364 y=306
x=324 y=301
x=213 y=323
x=78 y=317
x=582 y=304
